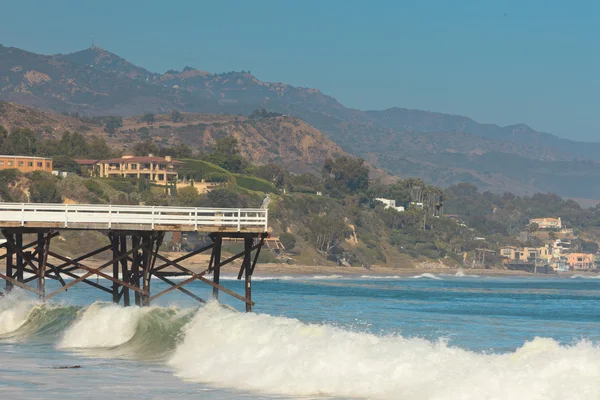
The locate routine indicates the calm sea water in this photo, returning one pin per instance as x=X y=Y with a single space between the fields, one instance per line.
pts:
x=425 y=337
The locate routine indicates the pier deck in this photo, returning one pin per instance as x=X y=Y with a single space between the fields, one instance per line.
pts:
x=135 y=235
x=142 y=218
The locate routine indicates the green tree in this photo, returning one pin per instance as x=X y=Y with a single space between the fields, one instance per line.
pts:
x=179 y=150
x=111 y=124
x=143 y=184
x=144 y=148
x=262 y=113
x=273 y=173
x=346 y=174
x=65 y=163
x=327 y=232
x=148 y=118
x=188 y=196
x=288 y=240
x=22 y=142
x=176 y=116
x=227 y=145
x=3 y=137
x=43 y=188
x=224 y=198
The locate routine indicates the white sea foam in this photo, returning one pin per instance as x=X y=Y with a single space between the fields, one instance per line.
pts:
x=103 y=325
x=288 y=277
x=427 y=275
x=285 y=356
x=462 y=274
x=381 y=277
x=579 y=276
x=262 y=278
x=14 y=309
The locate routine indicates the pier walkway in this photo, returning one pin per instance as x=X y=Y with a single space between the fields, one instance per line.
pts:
x=135 y=235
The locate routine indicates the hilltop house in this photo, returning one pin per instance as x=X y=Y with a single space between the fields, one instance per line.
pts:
x=388 y=203
x=547 y=223
x=160 y=170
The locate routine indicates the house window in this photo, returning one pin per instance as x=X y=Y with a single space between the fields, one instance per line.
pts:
x=134 y=166
x=21 y=163
x=40 y=164
x=11 y=163
x=47 y=164
x=1 y=163
x=30 y=163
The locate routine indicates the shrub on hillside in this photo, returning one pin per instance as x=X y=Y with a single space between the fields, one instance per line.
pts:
x=254 y=183
x=288 y=240
x=43 y=188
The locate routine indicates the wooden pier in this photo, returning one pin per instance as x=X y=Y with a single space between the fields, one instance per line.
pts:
x=135 y=235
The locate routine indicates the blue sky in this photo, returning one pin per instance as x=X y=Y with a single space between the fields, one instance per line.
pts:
x=500 y=61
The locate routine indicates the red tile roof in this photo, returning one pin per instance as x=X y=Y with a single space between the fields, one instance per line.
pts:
x=142 y=159
x=85 y=161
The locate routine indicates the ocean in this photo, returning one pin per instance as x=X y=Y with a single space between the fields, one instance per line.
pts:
x=312 y=337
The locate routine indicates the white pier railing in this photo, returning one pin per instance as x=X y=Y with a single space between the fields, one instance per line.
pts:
x=101 y=216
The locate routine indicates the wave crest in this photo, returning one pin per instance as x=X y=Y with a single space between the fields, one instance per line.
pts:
x=285 y=356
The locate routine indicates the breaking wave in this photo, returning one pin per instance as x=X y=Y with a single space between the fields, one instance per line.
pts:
x=461 y=273
x=285 y=356
x=427 y=275
x=374 y=277
x=101 y=329
x=24 y=318
x=221 y=347
x=109 y=330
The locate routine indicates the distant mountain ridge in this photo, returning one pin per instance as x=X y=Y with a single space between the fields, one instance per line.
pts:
x=441 y=148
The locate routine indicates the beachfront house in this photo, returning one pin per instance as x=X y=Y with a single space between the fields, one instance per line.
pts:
x=581 y=261
x=512 y=254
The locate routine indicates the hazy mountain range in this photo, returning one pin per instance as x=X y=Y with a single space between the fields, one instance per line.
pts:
x=443 y=149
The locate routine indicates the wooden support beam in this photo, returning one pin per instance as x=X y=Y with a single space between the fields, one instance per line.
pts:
x=16 y=246
x=48 y=275
x=172 y=273
x=243 y=266
x=260 y=244
x=135 y=269
x=203 y=279
x=20 y=284
x=114 y=241
x=162 y=278
x=9 y=264
x=217 y=264
x=28 y=245
x=86 y=281
x=83 y=257
x=18 y=241
x=173 y=287
x=42 y=253
x=248 y=241
x=124 y=272
x=93 y=271
x=182 y=258
x=147 y=252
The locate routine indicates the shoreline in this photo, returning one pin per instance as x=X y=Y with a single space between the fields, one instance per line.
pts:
x=199 y=264
x=279 y=270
